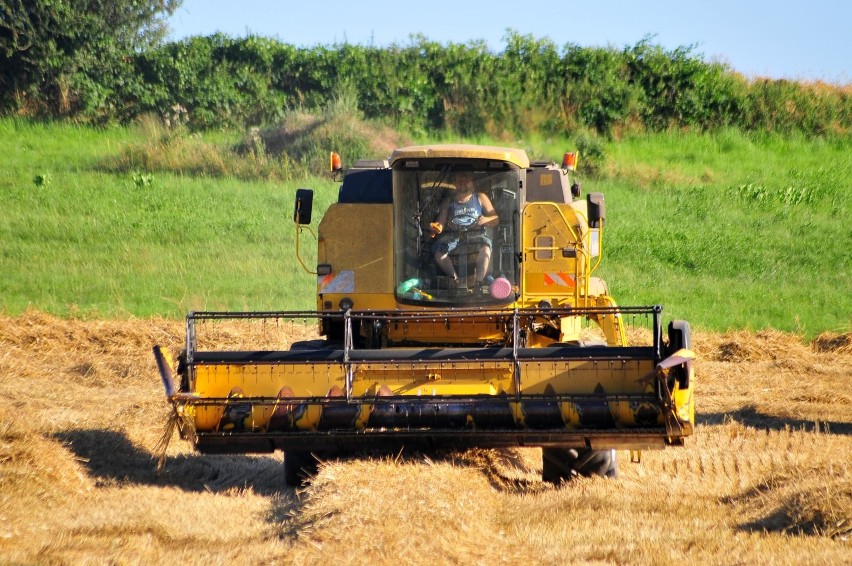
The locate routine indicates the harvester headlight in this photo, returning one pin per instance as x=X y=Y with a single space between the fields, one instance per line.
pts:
x=544 y=304
x=346 y=304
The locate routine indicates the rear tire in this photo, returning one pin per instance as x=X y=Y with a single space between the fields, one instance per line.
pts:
x=299 y=467
x=560 y=464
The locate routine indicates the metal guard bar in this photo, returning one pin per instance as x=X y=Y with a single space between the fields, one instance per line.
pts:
x=231 y=443
x=444 y=315
x=189 y=399
x=436 y=314
x=425 y=355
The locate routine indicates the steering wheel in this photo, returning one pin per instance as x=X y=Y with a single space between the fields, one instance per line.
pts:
x=464 y=222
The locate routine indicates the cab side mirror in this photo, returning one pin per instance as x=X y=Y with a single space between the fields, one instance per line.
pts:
x=596 y=209
x=304 y=204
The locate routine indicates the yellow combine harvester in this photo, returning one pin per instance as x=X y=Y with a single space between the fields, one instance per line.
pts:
x=458 y=304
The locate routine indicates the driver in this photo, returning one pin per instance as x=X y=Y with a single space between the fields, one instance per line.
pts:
x=463 y=211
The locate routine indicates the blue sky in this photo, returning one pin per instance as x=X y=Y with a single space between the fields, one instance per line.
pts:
x=781 y=39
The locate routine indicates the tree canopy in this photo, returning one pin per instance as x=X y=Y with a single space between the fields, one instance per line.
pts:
x=63 y=56
x=106 y=61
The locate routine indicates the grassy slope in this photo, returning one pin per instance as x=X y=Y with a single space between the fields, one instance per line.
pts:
x=731 y=231
x=724 y=230
x=93 y=242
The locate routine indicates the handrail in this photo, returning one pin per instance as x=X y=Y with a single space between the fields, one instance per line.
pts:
x=516 y=364
x=422 y=313
x=347 y=348
x=299 y=227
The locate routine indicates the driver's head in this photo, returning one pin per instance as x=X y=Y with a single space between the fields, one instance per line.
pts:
x=464 y=181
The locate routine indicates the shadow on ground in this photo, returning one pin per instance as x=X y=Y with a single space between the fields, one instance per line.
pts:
x=751 y=417
x=111 y=458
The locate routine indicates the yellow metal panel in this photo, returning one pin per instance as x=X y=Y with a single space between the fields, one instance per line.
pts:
x=584 y=376
x=614 y=378
x=569 y=328
x=436 y=378
x=684 y=399
x=611 y=324
x=266 y=380
x=548 y=228
x=469 y=377
x=462 y=151
x=361 y=301
x=355 y=239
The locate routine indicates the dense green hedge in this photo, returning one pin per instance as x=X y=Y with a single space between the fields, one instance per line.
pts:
x=530 y=85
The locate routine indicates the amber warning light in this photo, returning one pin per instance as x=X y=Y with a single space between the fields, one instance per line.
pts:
x=569 y=161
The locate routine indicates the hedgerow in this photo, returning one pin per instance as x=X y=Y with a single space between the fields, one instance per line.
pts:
x=531 y=85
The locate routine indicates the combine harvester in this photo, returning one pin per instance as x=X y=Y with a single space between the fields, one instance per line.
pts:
x=458 y=306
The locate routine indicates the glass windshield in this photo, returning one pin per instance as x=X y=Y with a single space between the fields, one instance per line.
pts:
x=456 y=232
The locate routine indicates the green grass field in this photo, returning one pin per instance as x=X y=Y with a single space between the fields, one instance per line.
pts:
x=726 y=230
x=89 y=242
x=733 y=232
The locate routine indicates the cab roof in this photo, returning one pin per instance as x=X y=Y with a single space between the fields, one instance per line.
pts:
x=517 y=157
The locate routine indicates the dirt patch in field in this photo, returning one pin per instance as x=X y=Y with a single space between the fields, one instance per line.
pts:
x=766 y=479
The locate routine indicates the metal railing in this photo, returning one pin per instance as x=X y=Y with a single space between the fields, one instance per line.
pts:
x=515 y=351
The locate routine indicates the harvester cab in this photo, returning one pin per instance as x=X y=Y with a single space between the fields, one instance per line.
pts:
x=450 y=227
x=458 y=305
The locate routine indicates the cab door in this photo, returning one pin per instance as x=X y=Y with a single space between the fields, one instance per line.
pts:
x=554 y=258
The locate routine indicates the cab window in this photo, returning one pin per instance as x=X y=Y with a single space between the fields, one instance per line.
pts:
x=456 y=233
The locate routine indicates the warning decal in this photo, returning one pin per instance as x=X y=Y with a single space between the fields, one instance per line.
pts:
x=559 y=279
x=343 y=282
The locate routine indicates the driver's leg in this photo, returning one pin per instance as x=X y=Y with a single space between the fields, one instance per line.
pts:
x=483 y=262
x=441 y=248
x=446 y=264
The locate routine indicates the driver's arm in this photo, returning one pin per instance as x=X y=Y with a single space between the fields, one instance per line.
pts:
x=489 y=215
x=441 y=219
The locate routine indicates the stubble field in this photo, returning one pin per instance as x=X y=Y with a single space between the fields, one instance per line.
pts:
x=767 y=479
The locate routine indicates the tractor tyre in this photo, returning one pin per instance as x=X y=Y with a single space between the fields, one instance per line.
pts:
x=560 y=464
x=299 y=467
